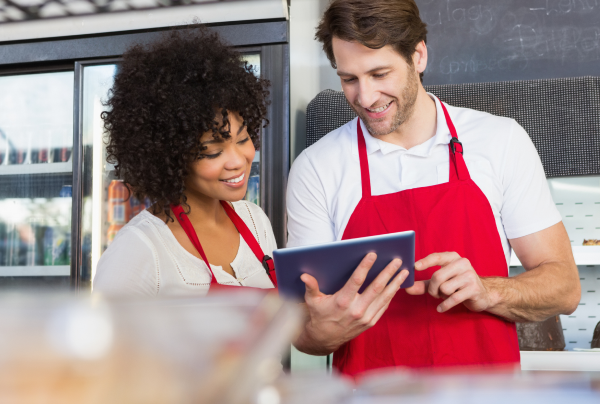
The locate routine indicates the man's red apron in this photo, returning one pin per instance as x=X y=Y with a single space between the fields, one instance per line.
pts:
x=455 y=216
x=265 y=260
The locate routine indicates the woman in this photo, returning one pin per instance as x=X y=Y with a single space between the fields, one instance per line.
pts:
x=183 y=124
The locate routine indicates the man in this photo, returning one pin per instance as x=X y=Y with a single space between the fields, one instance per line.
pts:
x=471 y=186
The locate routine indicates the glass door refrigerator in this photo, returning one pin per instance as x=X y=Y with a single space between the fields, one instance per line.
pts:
x=106 y=204
x=36 y=143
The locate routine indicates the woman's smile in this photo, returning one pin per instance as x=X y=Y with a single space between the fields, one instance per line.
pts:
x=235 y=182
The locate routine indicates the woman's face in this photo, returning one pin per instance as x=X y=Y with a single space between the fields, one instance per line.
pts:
x=223 y=170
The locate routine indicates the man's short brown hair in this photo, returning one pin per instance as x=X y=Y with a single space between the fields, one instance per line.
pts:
x=373 y=23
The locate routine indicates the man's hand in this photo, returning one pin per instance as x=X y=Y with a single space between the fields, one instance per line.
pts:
x=456 y=282
x=335 y=319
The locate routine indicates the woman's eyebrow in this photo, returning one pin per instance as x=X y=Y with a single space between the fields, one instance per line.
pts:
x=211 y=141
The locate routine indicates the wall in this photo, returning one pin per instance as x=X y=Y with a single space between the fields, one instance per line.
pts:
x=310 y=71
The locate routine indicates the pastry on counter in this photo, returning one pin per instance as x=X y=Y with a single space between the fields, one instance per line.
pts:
x=591 y=241
x=596 y=337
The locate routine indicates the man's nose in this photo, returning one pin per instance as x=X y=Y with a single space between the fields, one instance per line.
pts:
x=367 y=94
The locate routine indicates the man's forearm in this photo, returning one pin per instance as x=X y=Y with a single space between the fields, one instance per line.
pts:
x=535 y=295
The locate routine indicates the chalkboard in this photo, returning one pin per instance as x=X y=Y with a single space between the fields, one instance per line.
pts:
x=474 y=41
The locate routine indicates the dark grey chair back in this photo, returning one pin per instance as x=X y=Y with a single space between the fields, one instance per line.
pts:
x=562 y=116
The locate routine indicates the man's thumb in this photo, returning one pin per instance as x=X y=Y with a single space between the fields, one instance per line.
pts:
x=312 y=286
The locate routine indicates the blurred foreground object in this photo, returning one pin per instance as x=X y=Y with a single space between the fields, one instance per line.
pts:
x=477 y=386
x=218 y=349
x=541 y=336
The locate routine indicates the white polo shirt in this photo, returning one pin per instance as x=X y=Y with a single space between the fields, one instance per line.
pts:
x=324 y=184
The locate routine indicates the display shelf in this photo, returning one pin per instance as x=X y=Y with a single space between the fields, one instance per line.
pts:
x=42 y=168
x=561 y=361
x=584 y=255
x=38 y=270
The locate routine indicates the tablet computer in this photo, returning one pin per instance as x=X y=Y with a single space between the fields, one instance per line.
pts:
x=332 y=264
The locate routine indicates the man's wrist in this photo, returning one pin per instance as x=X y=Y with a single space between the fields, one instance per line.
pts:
x=493 y=291
x=310 y=343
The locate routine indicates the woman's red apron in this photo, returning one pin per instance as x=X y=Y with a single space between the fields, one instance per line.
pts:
x=454 y=216
x=265 y=260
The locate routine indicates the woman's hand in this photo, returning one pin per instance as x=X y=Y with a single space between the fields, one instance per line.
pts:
x=335 y=319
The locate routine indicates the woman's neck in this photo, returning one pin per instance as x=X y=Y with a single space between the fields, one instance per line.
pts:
x=205 y=210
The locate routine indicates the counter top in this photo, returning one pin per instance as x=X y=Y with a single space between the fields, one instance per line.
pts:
x=565 y=361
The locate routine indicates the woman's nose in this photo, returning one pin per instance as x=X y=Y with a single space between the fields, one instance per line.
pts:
x=235 y=159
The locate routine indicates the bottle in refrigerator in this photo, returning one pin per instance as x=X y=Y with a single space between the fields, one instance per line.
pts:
x=48 y=245
x=61 y=248
x=119 y=208
x=29 y=243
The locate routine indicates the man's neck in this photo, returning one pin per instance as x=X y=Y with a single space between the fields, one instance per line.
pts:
x=419 y=128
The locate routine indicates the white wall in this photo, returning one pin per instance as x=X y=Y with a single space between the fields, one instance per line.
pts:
x=310 y=71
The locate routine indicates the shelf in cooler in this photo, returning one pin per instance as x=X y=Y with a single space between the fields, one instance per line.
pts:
x=38 y=270
x=53 y=185
x=584 y=255
x=43 y=168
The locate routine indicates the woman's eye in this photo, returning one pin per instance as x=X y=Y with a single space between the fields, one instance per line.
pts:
x=210 y=156
x=244 y=140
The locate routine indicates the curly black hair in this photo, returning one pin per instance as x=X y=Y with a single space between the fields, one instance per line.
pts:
x=164 y=98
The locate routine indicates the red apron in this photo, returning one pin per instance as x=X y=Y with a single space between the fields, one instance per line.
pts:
x=266 y=261
x=455 y=216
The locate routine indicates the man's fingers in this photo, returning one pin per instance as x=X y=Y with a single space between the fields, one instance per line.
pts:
x=419 y=288
x=357 y=279
x=453 y=300
x=381 y=281
x=447 y=273
x=436 y=259
x=312 y=287
x=384 y=298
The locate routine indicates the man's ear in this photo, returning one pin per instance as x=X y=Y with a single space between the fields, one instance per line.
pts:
x=420 y=57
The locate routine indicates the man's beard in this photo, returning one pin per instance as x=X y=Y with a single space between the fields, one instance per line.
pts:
x=404 y=110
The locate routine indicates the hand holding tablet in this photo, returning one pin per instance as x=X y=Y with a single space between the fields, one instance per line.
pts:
x=335 y=318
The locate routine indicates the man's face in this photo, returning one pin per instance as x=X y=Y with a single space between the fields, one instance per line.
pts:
x=379 y=84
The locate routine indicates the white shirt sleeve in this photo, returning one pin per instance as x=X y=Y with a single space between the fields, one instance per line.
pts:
x=527 y=203
x=128 y=267
x=309 y=221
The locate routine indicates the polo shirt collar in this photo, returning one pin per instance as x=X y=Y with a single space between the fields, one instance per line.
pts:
x=442 y=136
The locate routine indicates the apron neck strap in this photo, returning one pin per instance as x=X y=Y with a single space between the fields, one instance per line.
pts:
x=364 y=161
x=241 y=227
x=458 y=167
x=185 y=223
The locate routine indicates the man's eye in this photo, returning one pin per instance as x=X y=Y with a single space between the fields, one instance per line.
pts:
x=348 y=80
x=380 y=75
x=244 y=140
